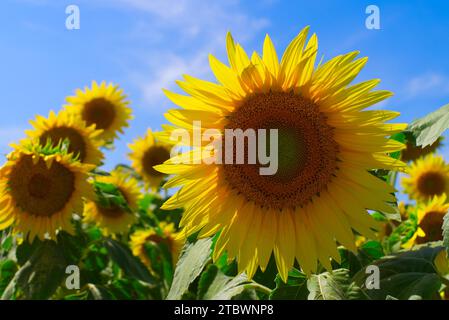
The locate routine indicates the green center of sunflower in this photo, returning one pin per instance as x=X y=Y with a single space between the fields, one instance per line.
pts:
x=77 y=145
x=431 y=224
x=100 y=112
x=431 y=184
x=307 y=151
x=38 y=190
x=155 y=155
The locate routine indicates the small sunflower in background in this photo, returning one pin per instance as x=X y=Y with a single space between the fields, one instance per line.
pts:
x=113 y=217
x=430 y=221
x=40 y=189
x=327 y=144
x=147 y=152
x=57 y=128
x=428 y=177
x=166 y=234
x=413 y=152
x=104 y=106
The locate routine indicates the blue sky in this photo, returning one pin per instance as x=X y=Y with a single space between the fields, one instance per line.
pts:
x=145 y=45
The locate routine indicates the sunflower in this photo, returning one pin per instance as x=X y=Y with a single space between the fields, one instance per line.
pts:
x=428 y=177
x=113 y=218
x=327 y=144
x=57 y=128
x=146 y=153
x=430 y=221
x=165 y=234
x=40 y=189
x=412 y=152
x=104 y=106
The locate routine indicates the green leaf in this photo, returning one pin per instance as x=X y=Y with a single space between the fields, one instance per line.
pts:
x=404 y=275
x=192 y=261
x=98 y=292
x=294 y=289
x=41 y=275
x=335 y=285
x=130 y=264
x=215 y=285
x=429 y=128
x=7 y=270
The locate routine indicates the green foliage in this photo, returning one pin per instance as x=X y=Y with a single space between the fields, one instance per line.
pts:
x=404 y=275
x=429 y=128
x=335 y=285
x=446 y=232
x=294 y=289
x=190 y=265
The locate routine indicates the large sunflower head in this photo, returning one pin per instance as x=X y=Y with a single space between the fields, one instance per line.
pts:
x=58 y=128
x=327 y=144
x=165 y=233
x=40 y=189
x=428 y=177
x=104 y=106
x=147 y=152
x=113 y=217
x=430 y=221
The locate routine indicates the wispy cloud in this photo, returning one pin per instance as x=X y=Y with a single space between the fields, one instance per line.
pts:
x=431 y=83
x=182 y=34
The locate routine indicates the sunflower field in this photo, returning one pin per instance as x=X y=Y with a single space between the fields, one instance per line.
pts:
x=327 y=225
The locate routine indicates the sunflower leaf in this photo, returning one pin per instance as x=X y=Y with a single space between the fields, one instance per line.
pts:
x=335 y=285
x=294 y=289
x=404 y=275
x=429 y=128
x=215 y=285
x=41 y=275
x=124 y=258
x=190 y=265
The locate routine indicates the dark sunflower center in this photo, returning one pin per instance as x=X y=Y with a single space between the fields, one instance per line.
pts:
x=38 y=190
x=431 y=224
x=77 y=145
x=431 y=183
x=153 y=156
x=307 y=152
x=100 y=112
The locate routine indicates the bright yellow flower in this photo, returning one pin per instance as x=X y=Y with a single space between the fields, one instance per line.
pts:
x=145 y=153
x=428 y=177
x=327 y=144
x=83 y=142
x=166 y=234
x=430 y=221
x=115 y=219
x=104 y=106
x=39 y=193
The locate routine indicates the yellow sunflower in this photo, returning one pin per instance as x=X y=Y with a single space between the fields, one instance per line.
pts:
x=327 y=144
x=166 y=234
x=430 y=221
x=113 y=219
x=428 y=177
x=39 y=191
x=104 y=106
x=413 y=152
x=145 y=153
x=57 y=128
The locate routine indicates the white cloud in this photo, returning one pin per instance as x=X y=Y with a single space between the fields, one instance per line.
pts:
x=181 y=34
x=428 y=84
